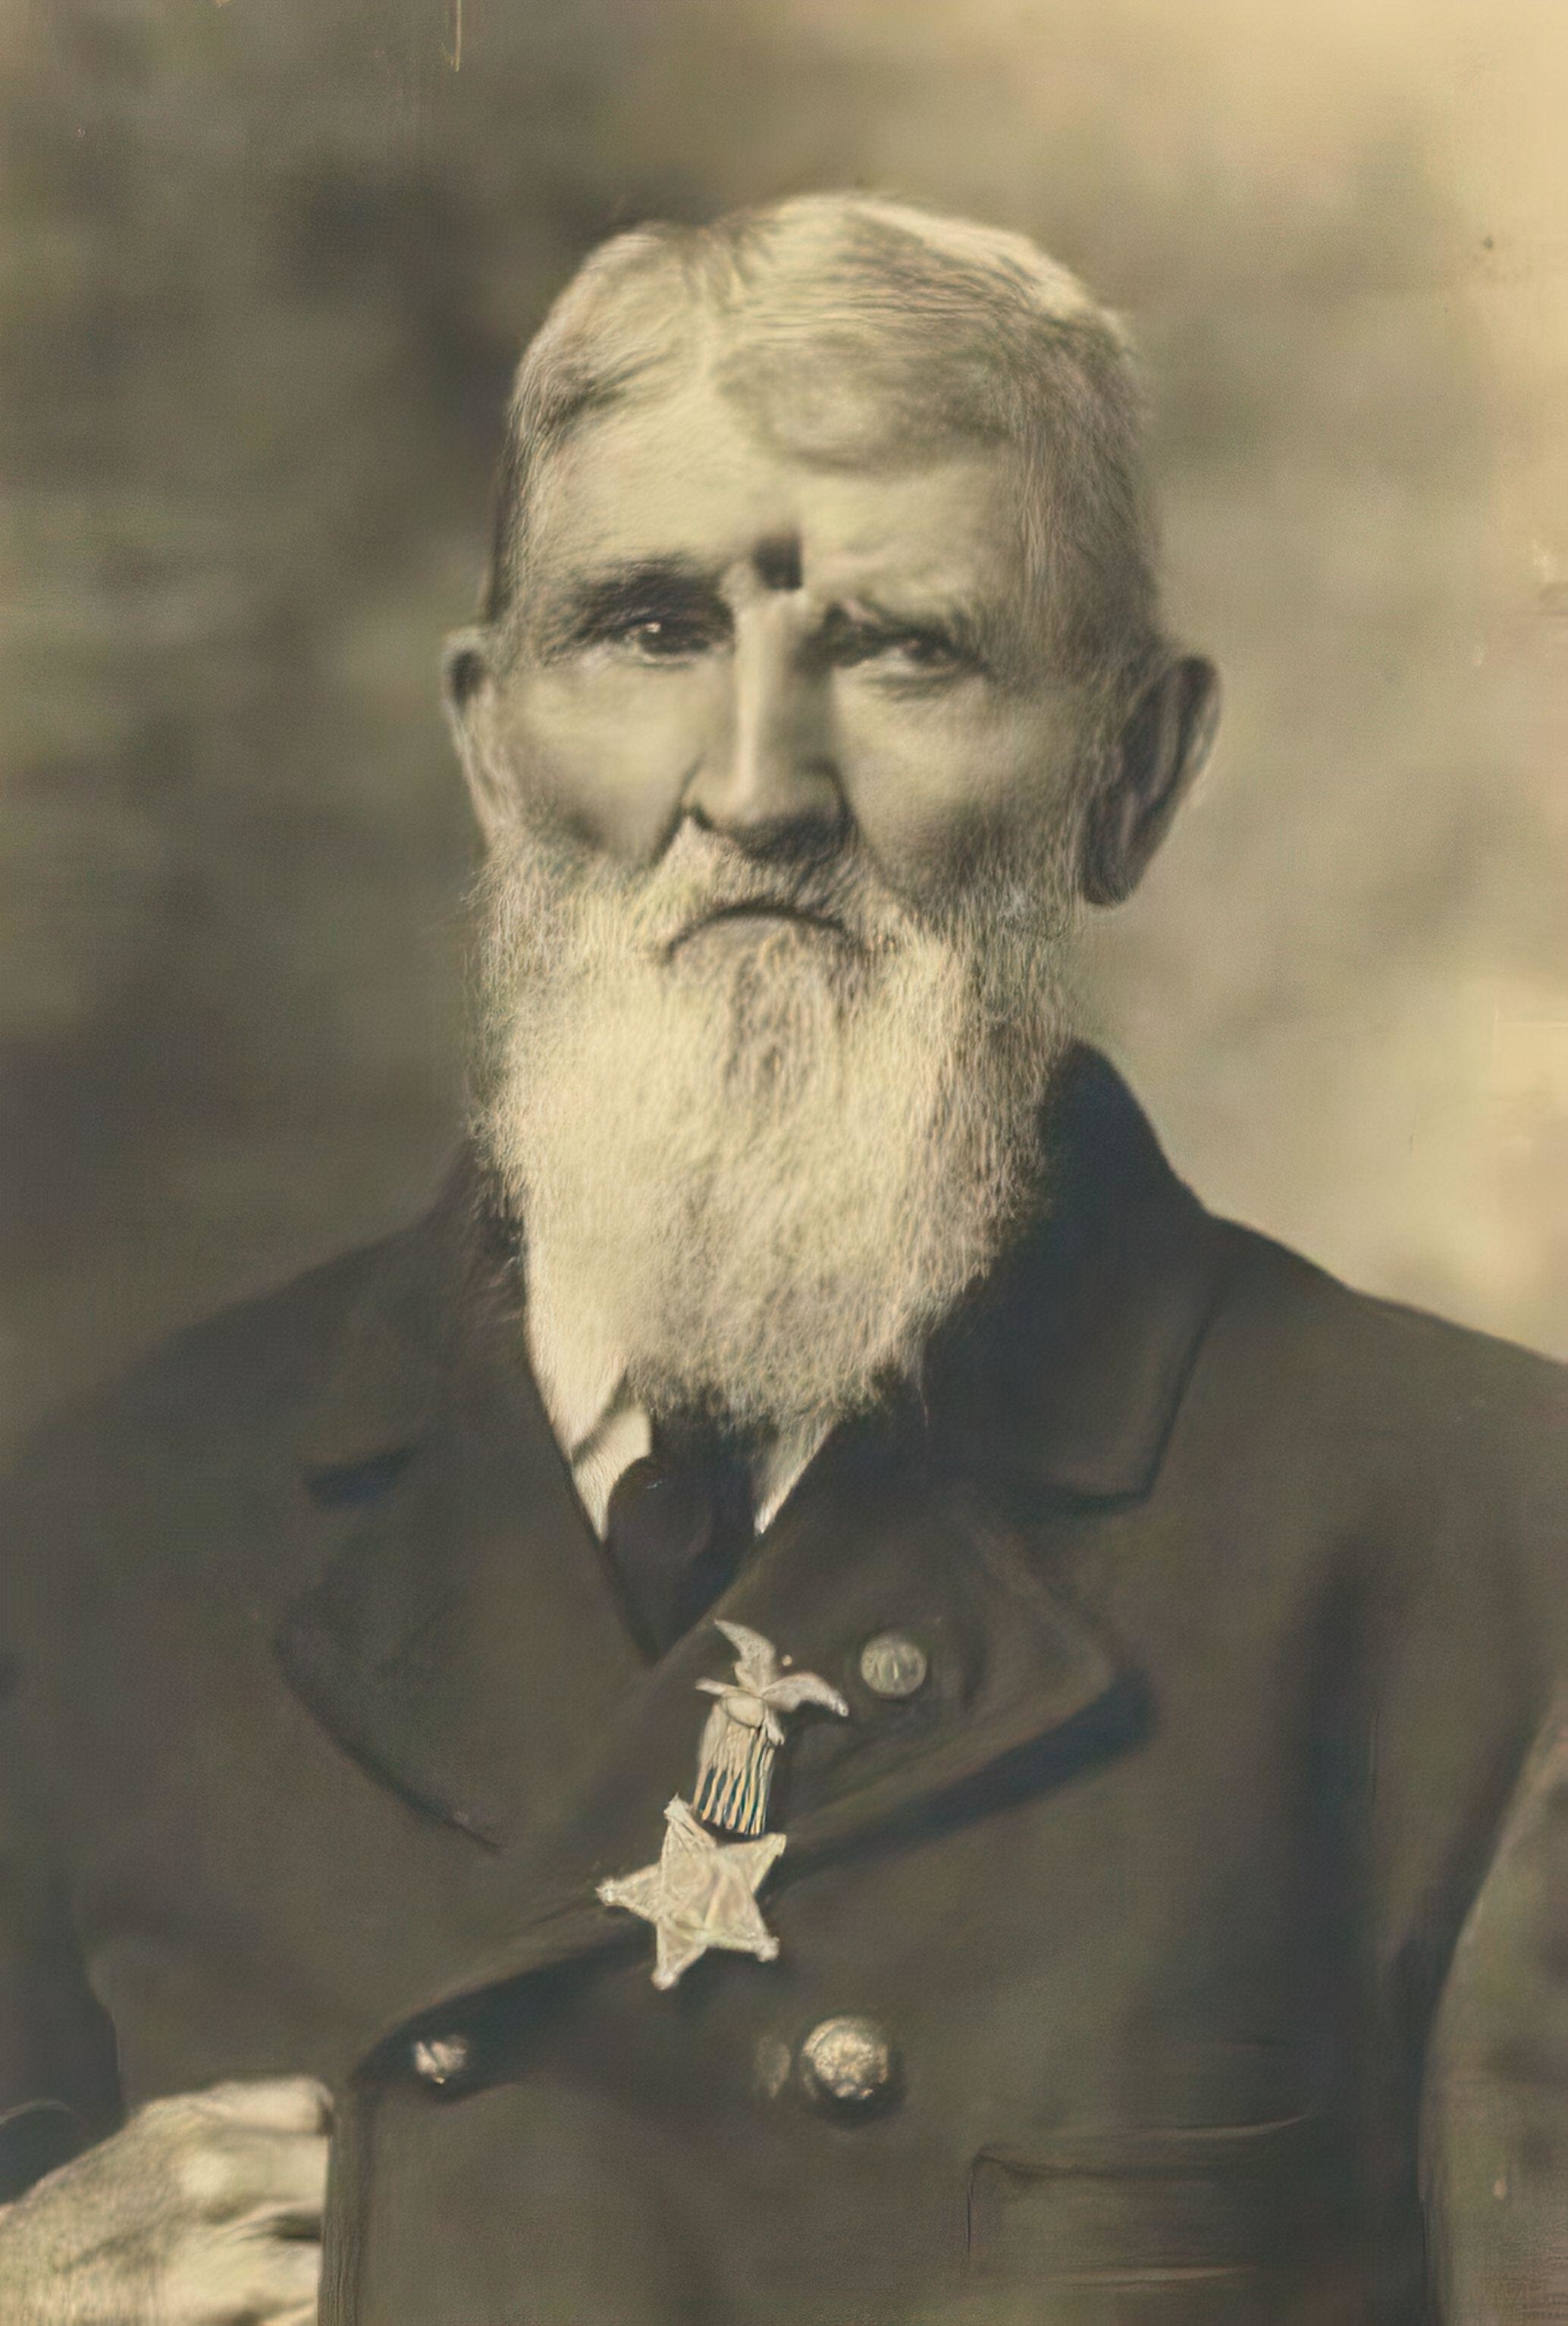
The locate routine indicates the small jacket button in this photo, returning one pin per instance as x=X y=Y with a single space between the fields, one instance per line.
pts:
x=893 y=1665
x=849 y=2066
x=442 y=2059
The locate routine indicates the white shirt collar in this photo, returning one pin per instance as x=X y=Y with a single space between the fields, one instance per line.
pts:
x=601 y=1429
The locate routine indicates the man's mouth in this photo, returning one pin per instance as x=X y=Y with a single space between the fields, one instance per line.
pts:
x=758 y=913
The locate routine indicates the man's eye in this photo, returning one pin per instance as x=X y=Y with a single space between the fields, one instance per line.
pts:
x=662 y=638
x=923 y=650
x=898 y=652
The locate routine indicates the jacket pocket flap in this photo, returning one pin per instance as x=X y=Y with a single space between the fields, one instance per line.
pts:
x=1221 y=2198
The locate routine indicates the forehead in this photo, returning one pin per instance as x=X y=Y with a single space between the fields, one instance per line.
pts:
x=682 y=470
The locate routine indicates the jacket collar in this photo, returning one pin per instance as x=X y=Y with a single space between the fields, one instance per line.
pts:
x=1064 y=1374
x=402 y=1336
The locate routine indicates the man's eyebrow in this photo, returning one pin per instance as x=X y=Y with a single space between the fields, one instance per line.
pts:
x=587 y=605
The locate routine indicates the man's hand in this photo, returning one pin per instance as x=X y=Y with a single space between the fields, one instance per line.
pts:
x=205 y=2211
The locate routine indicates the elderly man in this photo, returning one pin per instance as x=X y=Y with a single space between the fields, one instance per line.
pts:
x=820 y=1700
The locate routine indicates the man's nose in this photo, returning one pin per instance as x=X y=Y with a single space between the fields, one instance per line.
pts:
x=769 y=781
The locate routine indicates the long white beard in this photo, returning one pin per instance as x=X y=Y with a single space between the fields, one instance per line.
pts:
x=762 y=1167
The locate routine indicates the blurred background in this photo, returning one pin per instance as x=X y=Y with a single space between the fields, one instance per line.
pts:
x=267 y=265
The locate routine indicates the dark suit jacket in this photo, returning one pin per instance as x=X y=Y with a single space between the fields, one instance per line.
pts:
x=1242 y=1622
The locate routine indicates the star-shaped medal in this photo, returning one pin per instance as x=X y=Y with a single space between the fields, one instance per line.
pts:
x=702 y=1893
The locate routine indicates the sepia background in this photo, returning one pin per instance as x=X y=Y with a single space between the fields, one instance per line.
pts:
x=267 y=264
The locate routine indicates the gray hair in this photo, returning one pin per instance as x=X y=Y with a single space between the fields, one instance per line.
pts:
x=936 y=324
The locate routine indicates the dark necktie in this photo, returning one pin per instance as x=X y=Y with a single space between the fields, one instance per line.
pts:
x=678 y=1525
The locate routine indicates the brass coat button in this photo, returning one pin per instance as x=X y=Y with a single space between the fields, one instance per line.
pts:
x=849 y=2065
x=893 y=1665
x=442 y=2059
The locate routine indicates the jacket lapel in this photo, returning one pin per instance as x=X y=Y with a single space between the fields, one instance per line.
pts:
x=1022 y=1690
x=466 y=1648
x=463 y=1641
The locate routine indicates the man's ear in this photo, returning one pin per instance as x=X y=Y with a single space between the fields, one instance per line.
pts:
x=467 y=693
x=1168 y=736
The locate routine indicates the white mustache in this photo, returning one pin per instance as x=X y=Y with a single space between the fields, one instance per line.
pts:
x=700 y=881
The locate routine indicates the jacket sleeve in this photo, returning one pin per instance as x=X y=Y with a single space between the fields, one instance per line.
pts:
x=59 y=2086
x=1497 y=2098
x=1497 y=2087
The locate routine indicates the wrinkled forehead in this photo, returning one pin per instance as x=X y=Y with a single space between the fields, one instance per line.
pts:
x=677 y=475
